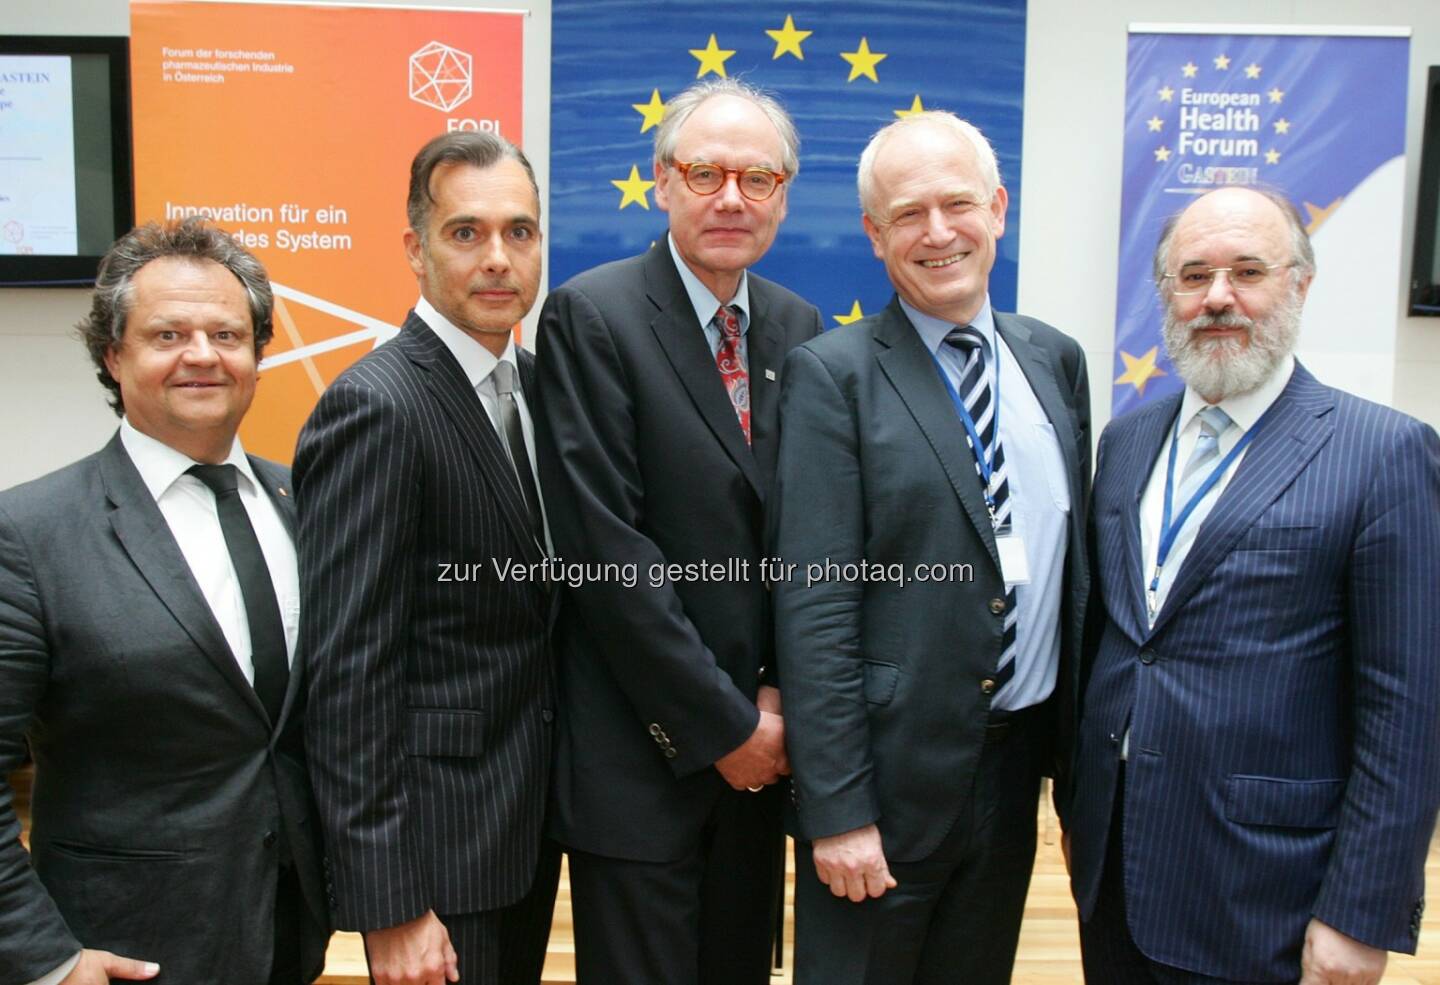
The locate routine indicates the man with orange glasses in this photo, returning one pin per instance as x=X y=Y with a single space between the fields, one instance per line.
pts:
x=659 y=382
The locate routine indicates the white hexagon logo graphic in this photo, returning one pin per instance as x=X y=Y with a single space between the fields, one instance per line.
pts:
x=440 y=76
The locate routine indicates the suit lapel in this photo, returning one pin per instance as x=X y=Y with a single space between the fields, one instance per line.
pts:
x=146 y=538
x=1292 y=431
x=447 y=381
x=1131 y=455
x=277 y=486
x=911 y=371
x=766 y=351
x=685 y=346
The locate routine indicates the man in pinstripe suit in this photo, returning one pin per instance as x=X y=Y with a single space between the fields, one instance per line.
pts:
x=1259 y=749
x=431 y=682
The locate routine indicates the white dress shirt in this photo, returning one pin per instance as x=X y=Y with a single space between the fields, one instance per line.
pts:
x=1039 y=493
x=478 y=364
x=189 y=509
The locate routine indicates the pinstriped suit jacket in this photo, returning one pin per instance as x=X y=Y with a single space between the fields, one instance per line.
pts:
x=1284 y=710
x=430 y=686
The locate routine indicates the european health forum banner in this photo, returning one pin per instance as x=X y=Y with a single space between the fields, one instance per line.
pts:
x=1317 y=116
x=293 y=127
x=842 y=70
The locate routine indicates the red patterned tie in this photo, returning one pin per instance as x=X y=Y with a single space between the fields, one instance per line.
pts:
x=731 y=366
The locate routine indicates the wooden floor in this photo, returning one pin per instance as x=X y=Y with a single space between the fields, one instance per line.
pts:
x=1049 y=948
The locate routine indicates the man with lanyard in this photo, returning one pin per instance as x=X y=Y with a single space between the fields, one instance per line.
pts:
x=1259 y=754
x=945 y=445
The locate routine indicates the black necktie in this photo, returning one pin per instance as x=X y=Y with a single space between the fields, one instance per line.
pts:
x=504 y=376
x=979 y=401
x=262 y=610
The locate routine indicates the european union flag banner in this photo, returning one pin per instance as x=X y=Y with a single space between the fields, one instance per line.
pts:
x=842 y=70
x=1319 y=118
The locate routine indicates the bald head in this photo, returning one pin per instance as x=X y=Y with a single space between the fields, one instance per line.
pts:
x=1254 y=209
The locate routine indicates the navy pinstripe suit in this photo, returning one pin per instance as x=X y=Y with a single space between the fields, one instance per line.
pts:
x=1284 y=709
x=430 y=687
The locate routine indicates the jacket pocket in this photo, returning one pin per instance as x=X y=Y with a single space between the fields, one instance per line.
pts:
x=111 y=853
x=880 y=681
x=444 y=732
x=1277 y=802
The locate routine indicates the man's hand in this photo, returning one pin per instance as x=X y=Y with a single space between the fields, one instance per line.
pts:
x=98 y=967
x=413 y=953
x=1331 y=958
x=853 y=864
x=768 y=699
x=760 y=758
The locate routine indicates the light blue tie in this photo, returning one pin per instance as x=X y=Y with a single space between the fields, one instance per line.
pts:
x=1213 y=423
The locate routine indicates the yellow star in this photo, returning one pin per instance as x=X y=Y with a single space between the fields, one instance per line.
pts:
x=634 y=189
x=712 y=59
x=1282 y=125
x=1166 y=94
x=1276 y=95
x=855 y=315
x=1154 y=123
x=1252 y=71
x=1319 y=215
x=787 y=39
x=653 y=111
x=1222 y=62
x=1272 y=156
x=1189 y=69
x=915 y=107
x=863 y=61
x=1139 y=372
x=1162 y=154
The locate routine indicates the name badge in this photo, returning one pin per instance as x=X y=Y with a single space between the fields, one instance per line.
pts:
x=1014 y=567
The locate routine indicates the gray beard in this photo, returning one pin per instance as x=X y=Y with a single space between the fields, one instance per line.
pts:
x=1220 y=368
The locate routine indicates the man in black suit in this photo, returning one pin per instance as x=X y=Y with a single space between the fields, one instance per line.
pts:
x=929 y=492
x=148 y=618
x=430 y=670
x=658 y=386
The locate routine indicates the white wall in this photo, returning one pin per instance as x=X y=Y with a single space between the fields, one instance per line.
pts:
x=1074 y=108
x=53 y=411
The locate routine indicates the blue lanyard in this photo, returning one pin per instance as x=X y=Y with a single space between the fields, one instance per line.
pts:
x=1169 y=531
x=984 y=457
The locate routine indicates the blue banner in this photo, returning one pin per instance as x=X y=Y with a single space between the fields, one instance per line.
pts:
x=1321 y=119
x=842 y=70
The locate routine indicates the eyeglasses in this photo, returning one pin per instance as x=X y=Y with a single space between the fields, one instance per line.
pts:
x=1196 y=278
x=756 y=184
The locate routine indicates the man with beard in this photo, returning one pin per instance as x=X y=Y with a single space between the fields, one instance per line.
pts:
x=1259 y=749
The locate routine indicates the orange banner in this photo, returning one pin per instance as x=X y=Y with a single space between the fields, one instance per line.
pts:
x=293 y=127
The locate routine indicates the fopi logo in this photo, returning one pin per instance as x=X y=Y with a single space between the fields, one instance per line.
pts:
x=441 y=77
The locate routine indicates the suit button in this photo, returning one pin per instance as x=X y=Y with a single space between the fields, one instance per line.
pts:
x=654 y=728
x=670 y=752
x=1147 y=656
x=270 y=839
x=997 y=606
x=546 y=715
x=1114 y=741
x=987 y=686
x=760 y=674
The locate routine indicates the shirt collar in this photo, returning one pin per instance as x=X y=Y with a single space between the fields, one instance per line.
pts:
x=475 y=360
x=1246 y=408
x=702 y=300
x=933 y=330
x=160 y=465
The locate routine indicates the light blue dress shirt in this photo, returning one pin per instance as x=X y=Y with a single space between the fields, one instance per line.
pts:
x=1040 y=504
x=706 y=304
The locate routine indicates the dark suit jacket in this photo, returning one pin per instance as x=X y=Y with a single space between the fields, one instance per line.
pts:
x=430 y=679
x=1285 y=708
x=643 y=456
x=885 y=684
x=163 y=793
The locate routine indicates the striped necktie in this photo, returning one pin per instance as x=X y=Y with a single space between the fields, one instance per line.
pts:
x=976 y=392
